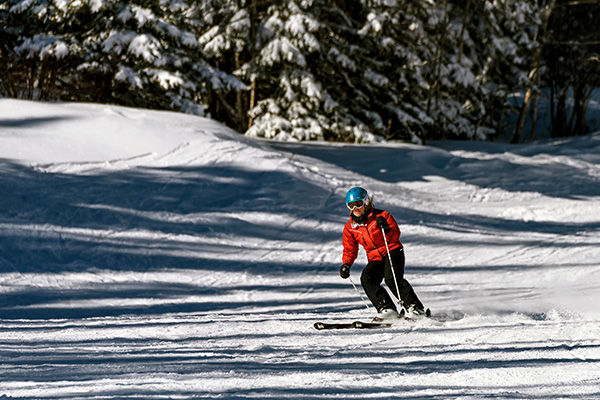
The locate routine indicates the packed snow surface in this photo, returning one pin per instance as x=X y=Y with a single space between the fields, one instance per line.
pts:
x=154 y=255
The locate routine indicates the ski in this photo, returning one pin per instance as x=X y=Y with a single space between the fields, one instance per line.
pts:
x=372 y=325
x=352 y=325
x=333 y=325
x=376 y=324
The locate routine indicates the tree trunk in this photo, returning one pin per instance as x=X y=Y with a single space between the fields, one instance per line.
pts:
x=582 y=95
x=239 y=105
x=252 y=54
x=500 y=124
x=252 y=100
x=559 y=129
x=534 y=113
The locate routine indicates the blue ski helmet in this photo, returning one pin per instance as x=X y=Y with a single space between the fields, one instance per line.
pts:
x=356 y=194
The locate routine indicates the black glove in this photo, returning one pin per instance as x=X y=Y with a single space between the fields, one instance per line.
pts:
x=383 y=224
x=345 y=271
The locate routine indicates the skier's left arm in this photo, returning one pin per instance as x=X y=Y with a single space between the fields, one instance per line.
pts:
x=389 y=226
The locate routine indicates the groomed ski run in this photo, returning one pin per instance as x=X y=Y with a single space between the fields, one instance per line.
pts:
x=159 y=256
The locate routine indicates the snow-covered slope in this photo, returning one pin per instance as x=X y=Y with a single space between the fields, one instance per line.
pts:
x=156 y=255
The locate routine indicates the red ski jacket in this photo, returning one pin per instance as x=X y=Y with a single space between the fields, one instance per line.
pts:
x=369 y=235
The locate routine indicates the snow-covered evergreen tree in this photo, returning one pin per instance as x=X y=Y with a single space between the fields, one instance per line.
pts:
x=227 y=38
x=330 y=70
x=140 y=53
x=572 y=51
x=477 y=53
x=387 y=68
x=392 y=30
x=512 y=29
x=339 y=70
x=293 y=96
x=34 y=52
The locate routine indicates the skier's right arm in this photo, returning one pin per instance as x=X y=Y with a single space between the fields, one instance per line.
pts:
x=350 y=252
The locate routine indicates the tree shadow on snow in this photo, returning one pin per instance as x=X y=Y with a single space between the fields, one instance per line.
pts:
x=144 y=220
x=201 y=218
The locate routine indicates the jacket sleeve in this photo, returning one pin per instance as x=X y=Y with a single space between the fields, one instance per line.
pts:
x=350 y=246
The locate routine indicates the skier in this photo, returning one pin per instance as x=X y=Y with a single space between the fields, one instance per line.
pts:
x=365 y=227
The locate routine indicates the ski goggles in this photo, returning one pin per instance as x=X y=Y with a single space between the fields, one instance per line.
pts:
x=355 y=204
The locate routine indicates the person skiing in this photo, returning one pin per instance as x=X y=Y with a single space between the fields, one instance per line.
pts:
x=366 y=227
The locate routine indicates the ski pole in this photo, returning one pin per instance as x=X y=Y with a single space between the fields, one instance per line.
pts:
x=392 y=267
x=361 y=296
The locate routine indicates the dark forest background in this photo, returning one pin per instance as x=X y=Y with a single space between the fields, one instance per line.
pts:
x=340 y=70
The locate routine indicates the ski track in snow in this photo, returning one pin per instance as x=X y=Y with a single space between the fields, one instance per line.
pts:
x=160 y=256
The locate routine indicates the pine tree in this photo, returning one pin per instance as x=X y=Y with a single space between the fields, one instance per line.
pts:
x=477 y=53
x=389 y=79
x=330 y=70
x=138 y=53
x=572 y=51
x=342 y=70
x=228 y=32
x=291 y=100
x=35 y=55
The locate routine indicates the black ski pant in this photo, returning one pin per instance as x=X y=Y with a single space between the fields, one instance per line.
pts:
x=377 y=271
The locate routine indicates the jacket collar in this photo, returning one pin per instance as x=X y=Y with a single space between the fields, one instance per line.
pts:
x=362 y=221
